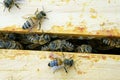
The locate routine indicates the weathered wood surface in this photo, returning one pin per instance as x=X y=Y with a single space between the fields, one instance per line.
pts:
x=83 y=17
x=33 y=65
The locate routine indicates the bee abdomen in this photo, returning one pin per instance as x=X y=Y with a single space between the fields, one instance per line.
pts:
x=13 y=45
x=84 y=49
x=33 y=38
x=44 y=38
x=111 y=42
x=68 y=46
x=27 y=25
x=53 y=63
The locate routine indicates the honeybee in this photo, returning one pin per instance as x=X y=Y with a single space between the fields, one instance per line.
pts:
x=10 y=44
x=10 y=3
x=60 y=45
x=111 y=42
x=36 y=39
x=35 y=20
x=84 y=48
x=55 y=64
x=58 y=63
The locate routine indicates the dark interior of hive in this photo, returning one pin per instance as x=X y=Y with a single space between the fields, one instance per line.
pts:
x=60 y=43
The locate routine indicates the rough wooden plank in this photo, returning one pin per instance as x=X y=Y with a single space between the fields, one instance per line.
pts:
x=33 y=65
x=83 y=17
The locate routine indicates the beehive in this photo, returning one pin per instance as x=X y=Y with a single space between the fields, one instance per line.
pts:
x=87 y=18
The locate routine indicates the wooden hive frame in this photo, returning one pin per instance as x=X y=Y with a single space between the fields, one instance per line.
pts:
x=68 y=17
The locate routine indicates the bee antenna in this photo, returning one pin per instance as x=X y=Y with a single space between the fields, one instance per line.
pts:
x=65 y=69
x=36 y=11
x=48 y=11
x=43 y=7
x=43 y=32
x=63 y=55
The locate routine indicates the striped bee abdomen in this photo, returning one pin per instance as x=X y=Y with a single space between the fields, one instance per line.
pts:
x=84 y=48
x=111 y=42
x=28 y=24
x=53 y=63
x=12 y=45
x=68 y=46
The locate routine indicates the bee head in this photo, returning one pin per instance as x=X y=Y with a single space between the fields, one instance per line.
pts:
x=42 y=13
x=6 y=4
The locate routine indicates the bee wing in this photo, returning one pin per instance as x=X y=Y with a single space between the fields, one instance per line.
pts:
x=20 y=1
x=28 y=15
x=55 y=68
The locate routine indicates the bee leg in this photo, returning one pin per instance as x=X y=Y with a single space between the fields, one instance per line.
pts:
x=30 y=29
x=17 y=6
x=46 y=18
x=9 y=9
x=36 y=11
x=39 y=25
x=65 y=70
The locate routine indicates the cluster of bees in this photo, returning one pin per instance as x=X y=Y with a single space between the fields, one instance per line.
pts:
x=47 y=42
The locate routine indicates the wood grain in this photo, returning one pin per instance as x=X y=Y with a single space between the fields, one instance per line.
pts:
x=33 y=65
x=83 y=17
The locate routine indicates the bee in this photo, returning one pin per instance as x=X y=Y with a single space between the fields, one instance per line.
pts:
x=55 y=45
x=36 y=39
x=111 y=42
x=84 y=48
x=58 y=63
x=9 y=4
x=31 y=38
x=35 y=20
x=60 y=45
x=10 y=44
